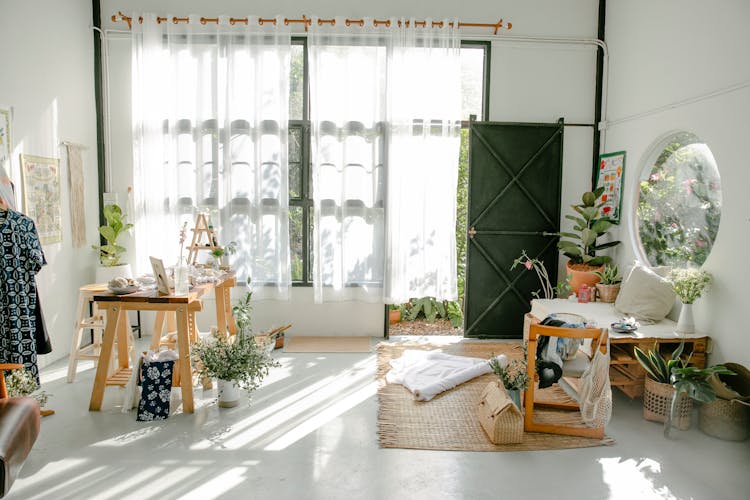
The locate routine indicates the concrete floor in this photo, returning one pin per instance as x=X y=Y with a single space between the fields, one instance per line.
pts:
x=310 y=433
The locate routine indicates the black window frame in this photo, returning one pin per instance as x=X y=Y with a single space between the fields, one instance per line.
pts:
x=305 y=200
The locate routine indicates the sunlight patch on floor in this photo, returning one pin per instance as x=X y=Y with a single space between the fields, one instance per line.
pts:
x=269 y=419
x=219 y=485
x=628 y=479
x=313 y=423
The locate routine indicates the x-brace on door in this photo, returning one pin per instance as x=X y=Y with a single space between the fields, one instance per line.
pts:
x=515 y=174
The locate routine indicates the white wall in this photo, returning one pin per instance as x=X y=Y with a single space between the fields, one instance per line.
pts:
x=665 y=52
x=530 y=83
x=47 y=77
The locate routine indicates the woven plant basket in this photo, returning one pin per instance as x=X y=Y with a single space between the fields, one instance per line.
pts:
x=725 y=419
x=657 y=402
x=499 y=416
x=607 y=293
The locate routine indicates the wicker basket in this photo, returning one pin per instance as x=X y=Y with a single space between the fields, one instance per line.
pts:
x=657 y=401
x=500 y=418
x=725 y=419
x=607 y=293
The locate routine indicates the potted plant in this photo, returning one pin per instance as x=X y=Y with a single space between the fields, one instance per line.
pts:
x=111 y=253
x=609 y=283
x=237 y=362
x=394 y=314
x=581 y=246
x=219 y=254
x=671 y=385
x=688 y=285
x=513 y=375
x=20 y=382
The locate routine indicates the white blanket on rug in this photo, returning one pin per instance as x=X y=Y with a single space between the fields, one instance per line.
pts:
x=428 y=373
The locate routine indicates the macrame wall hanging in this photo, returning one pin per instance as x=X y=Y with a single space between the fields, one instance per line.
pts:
x=75 y=184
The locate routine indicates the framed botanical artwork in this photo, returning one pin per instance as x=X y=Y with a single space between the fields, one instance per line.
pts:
x=609 y=175
x=6 y=142
x=41 y=196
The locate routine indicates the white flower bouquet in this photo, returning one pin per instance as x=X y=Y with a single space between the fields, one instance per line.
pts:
x=689 y=284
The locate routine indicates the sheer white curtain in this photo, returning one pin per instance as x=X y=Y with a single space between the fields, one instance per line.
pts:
x=424 y=114
x=347 y=111
x=210 y=125
x=386 y=97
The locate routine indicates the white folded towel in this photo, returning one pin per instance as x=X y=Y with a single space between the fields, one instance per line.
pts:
x=428 y=373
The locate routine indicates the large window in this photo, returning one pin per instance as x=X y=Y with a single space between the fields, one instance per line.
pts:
x=678 y=207
x=474 y=73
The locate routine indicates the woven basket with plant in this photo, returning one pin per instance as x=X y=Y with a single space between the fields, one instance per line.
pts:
x=609 y=283
x=670 y=382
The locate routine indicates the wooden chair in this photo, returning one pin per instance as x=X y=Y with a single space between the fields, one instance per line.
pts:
x=563 y=424
x=19 y=428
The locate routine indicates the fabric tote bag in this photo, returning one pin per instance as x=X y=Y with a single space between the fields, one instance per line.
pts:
x=156 y=387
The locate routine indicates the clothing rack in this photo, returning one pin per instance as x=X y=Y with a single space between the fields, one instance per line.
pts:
x=308 y=21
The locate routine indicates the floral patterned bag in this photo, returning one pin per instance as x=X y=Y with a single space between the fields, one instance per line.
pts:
x=156 y=387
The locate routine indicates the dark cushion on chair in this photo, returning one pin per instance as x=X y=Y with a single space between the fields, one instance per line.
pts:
x=19 y=428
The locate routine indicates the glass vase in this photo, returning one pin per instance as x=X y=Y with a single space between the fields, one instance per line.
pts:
x=181 y=278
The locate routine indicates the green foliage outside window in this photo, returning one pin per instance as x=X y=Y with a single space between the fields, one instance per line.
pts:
x=679 y=207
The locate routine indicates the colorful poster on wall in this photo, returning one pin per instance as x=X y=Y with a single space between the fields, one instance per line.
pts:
x=41 y=196
x=5 y=140
x=610 y=175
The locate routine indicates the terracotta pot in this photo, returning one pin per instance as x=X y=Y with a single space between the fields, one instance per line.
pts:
x=582 y=274
x=607 y=293
x=394 y=316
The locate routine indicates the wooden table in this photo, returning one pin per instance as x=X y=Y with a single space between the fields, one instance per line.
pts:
x=182 y=307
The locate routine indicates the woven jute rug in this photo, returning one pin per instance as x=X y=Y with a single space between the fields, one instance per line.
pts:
x=449 y=421
x=327 y=344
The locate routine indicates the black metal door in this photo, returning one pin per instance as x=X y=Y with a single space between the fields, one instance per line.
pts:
x=515 y=174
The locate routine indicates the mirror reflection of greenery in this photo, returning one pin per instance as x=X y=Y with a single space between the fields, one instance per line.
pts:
x=679 y=207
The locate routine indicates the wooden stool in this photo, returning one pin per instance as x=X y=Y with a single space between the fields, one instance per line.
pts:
x=95 y=323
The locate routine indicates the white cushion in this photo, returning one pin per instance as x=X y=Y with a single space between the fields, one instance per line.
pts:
x=645 y=295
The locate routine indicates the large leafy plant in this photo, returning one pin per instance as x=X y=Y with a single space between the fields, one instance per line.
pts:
x=110 y=254
x=581 y=246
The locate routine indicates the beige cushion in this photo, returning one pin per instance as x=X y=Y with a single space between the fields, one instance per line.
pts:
x=645 y=295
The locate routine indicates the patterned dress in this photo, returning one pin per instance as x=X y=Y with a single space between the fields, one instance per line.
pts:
x=21 y=257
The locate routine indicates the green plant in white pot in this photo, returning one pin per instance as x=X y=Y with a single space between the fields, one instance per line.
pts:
x=236 y=362
x=111 y=253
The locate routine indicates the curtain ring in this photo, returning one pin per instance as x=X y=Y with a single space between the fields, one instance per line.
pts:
x=231 y=21
x=286 y=21
x=260 y=21
x=203 y=20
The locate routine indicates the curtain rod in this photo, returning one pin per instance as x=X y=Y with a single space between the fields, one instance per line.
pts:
x=308 y=21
